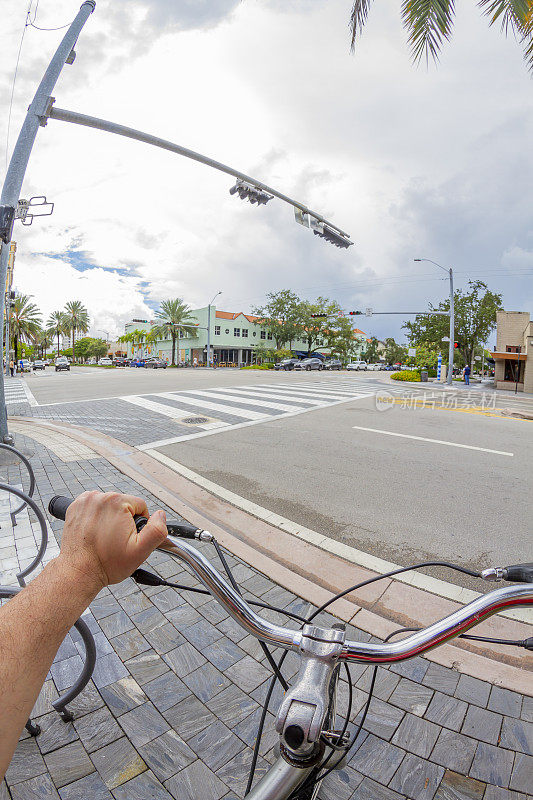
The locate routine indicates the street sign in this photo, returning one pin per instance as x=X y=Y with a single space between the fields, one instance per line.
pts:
x=369 y=312
x=301 y=217
x=445 y=339
x=477 y=358
x=411 y=352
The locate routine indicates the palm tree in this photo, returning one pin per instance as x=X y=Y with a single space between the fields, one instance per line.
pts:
x=25 y=321
x=76 y=319
x=430 y=22
x=57 y=326
x=176 y=320
x=44 y=339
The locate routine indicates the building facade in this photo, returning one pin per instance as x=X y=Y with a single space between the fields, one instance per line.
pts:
x=235 y=339
x=513 y=356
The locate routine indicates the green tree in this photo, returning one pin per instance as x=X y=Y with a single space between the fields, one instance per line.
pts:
x=57 y=326
x=339 y=337
x=25 y=324
x=429 y=23
x=76 y=319
x=82 y=348
x=281 y=317
x=176 y=319
x=371 y=352
x=98 y=348
x=394 y=353
x=475 y=319
x=315 y=331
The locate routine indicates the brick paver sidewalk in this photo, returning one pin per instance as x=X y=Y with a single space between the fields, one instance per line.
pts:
x=174 y=702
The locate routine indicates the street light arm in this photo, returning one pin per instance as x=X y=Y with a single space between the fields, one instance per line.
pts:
x=446 y=269
x=131 y=133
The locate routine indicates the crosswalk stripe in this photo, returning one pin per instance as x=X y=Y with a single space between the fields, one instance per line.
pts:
x=159 y=408
x=275 y=396
x=251 y=401
x=200 y=403
x=312 y=392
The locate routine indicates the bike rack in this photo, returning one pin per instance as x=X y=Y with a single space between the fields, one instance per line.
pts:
x=28 y=466
x=5 y=487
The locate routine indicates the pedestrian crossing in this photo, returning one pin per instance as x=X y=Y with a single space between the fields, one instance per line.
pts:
x=16 y=391
x=220 y=409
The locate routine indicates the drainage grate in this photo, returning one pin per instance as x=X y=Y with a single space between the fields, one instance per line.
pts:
x=195 y=420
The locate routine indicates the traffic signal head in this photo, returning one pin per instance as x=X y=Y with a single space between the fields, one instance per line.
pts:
x=354 y=313
x=456 y=345
x=319 y=316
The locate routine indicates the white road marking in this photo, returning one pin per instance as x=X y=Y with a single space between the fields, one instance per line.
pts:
x=193 y=401
x=251 y=401
x=324 y=395
x=433 y=441
x=159 y=408
x=275 y=396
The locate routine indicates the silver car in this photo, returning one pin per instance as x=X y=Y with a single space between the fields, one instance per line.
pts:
x=309 y=363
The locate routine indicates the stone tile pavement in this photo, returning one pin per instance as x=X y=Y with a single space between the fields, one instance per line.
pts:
x=173 y=706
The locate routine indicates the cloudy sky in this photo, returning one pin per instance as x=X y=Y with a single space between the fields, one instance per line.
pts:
x=411 y=161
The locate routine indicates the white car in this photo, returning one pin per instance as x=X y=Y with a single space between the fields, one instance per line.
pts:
x=105 y=362
x=356 y=365
x=374 y=367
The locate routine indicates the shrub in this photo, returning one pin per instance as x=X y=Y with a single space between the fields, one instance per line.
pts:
x=406 y=375
x=259 y=366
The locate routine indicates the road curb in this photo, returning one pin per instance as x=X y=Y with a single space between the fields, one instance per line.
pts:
x=308 y=570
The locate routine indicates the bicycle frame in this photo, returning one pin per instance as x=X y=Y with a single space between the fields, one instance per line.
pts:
x=302 y=712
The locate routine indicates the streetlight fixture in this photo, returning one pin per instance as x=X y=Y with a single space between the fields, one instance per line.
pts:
x=209 y=358
x=253 y=193
x=449 y=270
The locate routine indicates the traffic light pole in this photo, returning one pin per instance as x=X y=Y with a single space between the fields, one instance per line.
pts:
x=36 y=116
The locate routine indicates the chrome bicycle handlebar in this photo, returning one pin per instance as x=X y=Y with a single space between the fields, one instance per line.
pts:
x=417 y=643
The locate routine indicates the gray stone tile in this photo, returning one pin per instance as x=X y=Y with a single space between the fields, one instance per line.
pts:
x=377 y=757
x=166 y=690
x=522 y=772
x=517 y=735
x=457 y=787
x=247 y=673
x=189 y=717
x=206 y=682
x=413 y=668
x=123 y=695
x=416 y=735
x=447 y=711
x=167 y=600
x=183 y=616
x=146 y=666
x=340 y=784
x=216 y=745
x=213 y=612
x=195 y=781
x=27 y=762
x=115 y=624
x=167 y=754
x=482 y=724
x=121 y=590
x=454 y=751
x=473 y=690
x=68 y=764
x=248 y=727
x=148 y=619
x=164 y=638
x=492 y=764
x=130 y=644
x=36 y=788
x=143 y=724
x=505 y=702
x=235 y=771
x=184 y=659
x=67 y=649
x=527 y=709
x=104 y=606
x=497 y=793
x=386 y=681
x=46 y=697
x=382 y=719
x=231 y=629
x=441 y=678
x=411 y=696
x=232 y=705
x=97 y=729
x=89 y=788
x=417 y=778
x=87 y=701
x=66 y=672
x=202 y=633
x=223 y=653
x=108 y=669
x=118 y=762
x=370 y=790
x=54 y=732
x=135 y=602
x=141 y=788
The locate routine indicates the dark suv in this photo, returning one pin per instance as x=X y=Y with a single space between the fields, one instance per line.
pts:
x=333 y=363
x=286 y=363
x=62 y=363
x=155 y=363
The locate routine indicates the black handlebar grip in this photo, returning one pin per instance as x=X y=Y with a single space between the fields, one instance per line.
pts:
x=182 y=529
x=58 y=506
x=521 y=573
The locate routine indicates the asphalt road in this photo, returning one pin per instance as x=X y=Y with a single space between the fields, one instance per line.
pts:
x=403 y=499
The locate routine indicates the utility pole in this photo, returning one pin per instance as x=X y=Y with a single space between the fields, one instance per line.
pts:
x=209 y=359
x=451 y=347
x=8 y=301
x=36 y=116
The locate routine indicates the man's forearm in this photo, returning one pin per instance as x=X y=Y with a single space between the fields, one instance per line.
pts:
x=32 y=626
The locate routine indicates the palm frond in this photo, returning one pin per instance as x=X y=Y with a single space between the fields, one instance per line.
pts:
x=516 y=15
x=358 y=18
x=429 y=23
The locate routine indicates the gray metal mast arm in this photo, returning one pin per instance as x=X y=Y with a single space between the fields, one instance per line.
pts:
x=131 y=133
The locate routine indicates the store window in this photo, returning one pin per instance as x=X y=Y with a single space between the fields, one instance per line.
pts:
x=236 y=331
x=217 y=330
x=245 y=333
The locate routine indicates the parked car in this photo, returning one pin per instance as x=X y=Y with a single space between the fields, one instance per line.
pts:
x=332 y=363
x=62 y=363
x=155 y=363
x=309 y=363
x=286 y=364
x=118 y=361
x=374 y=367
x=390 y=368
x=38 y=364
x=24 y=365
x=138 y=362
x=357 y=365
x=105 y=362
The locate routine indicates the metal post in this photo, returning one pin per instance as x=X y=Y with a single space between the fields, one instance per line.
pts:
x=209 y=360
x=37 y=113
x=449 y=376
x=518 y=350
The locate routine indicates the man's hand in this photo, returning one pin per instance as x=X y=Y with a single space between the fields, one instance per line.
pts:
x=100 y=541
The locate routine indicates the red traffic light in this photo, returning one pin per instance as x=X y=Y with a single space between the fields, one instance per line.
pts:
x=456 y=345
x=319 y=316
x=353 y=313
